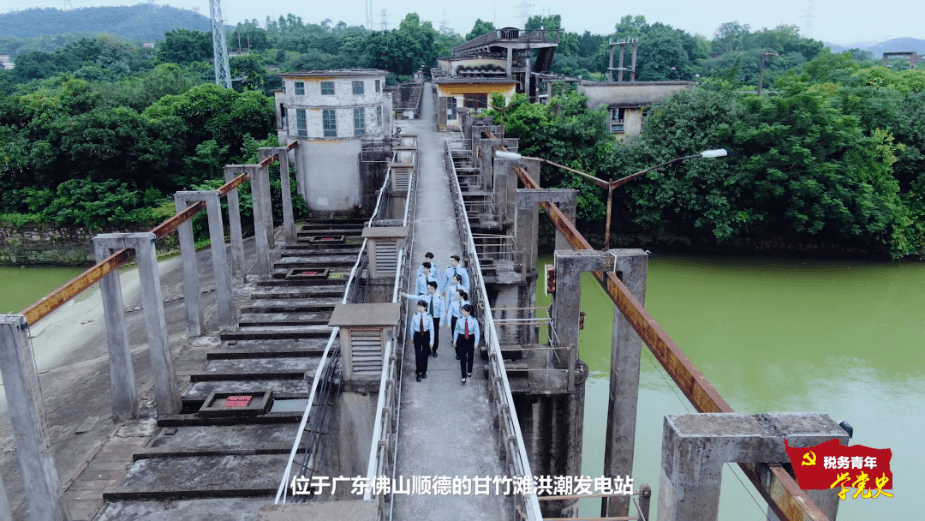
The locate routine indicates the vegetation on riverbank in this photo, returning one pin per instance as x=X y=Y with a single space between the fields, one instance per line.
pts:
x=98 y=132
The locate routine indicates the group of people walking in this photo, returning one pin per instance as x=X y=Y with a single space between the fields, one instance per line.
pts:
x=440 y=297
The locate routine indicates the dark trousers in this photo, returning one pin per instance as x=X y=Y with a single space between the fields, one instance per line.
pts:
x=466 y=350
x=452 y=325
x=436 y=335
x=421 y=351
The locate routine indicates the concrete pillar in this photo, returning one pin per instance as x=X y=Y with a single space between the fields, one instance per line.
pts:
x=27 y=414
x=610 y=67
x=166 y=390
x=121 y=370
x=526 y=222
x=260 y=229
x=282 y=155
x=633 y=65
x=695 y=447
x=632 y=267
x=510 y=62
x=570 y=209
x=234 y=220
x=622 y=50
x=565 y=303
x=288 y=217
x=527 y=73
x=220 y=269
x=191 y=293
x=266 y=198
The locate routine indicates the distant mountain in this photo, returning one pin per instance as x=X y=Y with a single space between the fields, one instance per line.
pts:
x=877 y=49
x=142 y=22
x=898 y=45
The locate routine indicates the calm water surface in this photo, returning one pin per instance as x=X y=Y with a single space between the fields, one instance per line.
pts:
x=20 y=287
x=838 y=337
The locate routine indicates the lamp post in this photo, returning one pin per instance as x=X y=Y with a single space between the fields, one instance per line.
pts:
x=610 y=185
x=761 y=76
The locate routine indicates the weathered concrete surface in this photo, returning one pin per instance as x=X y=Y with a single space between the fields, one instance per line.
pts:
x=209 y=476
x=195 y=510
x=446 y=427
x=357 y=510
x=696 y=446
x=212 y=437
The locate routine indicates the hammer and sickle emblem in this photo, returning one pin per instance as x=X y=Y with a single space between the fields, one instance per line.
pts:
x=809 y=458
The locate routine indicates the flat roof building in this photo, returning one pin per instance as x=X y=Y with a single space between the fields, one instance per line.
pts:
x=330 y=112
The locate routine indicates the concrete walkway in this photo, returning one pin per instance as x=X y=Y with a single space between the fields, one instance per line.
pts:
x=446 y=427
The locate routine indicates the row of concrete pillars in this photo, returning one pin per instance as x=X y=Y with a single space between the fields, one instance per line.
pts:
x=17 y=362
x=695 y=446
x=621 y=68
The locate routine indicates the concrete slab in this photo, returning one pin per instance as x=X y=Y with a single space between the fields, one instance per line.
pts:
x=320 y=511
x=290 y=305
x=197 y=510
x=266 y=348
x=283 y=319
x=209 y=476
x=227 y=437
x=289 y=292
x=261 y=365
x=201 y=390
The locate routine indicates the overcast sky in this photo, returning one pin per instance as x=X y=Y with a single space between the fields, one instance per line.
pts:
x=834 y=21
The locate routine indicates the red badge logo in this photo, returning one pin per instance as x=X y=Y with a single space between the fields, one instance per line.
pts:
x=831 y=464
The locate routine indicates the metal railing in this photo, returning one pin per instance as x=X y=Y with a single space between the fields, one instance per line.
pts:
x=513 y=448
x=382 y=456
x=287 y=479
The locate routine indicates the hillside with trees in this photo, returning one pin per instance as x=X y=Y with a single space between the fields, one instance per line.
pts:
x=100 y=131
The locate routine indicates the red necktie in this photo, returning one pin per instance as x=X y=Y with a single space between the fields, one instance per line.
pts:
x=467 y=329
x=422 y=325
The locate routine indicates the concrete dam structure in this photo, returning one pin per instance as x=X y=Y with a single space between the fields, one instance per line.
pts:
x=275 y=378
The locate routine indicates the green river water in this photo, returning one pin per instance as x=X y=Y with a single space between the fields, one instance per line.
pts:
x=845 y=338
x=840 y=337
x=20 y=287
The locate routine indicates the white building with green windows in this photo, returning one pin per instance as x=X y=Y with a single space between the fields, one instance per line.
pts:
x=330 y=113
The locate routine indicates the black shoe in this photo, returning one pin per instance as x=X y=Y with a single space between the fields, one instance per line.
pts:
x=419 y=378
x=435 y=354
x=470 y=375
x=464 y=381
x=457 y=357
x=424 y=376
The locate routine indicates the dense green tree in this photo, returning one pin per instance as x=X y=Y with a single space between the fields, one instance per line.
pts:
x=730 y=37
x=481 y=27
x=184 y=46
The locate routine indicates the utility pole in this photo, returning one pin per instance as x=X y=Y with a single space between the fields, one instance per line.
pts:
x=219 y=48
x=385 y=25
x=369 y=15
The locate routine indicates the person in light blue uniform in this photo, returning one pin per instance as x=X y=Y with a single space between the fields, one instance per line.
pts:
x=450 y=289
x=420 y=285
x=434 y=269
x=436 y=309
x=454 y=309
x=456 y=269
x=465 y=337
x=421 y=327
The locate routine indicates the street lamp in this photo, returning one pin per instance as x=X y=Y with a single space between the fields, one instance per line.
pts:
x=610 y=185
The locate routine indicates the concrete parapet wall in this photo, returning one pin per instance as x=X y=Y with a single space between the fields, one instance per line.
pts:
x=45 y=244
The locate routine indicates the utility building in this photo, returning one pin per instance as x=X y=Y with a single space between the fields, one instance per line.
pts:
x=330 y=113
x=505 y=61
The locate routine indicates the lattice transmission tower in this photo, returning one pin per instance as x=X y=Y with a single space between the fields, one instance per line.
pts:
x=809 y=19
x=385 y=23
x=66 y=5
x=219 y=49
x=525 y=9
